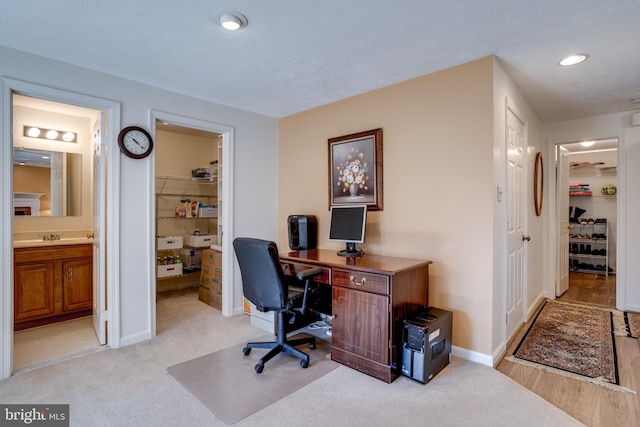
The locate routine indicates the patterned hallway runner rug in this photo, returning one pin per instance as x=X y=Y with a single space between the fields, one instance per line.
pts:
x=574 y=340
x=633 y=323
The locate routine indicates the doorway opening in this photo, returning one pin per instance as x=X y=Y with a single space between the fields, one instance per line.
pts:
x=101 y=134
x=192 y=184
x=587 y=221
x=188 y=224
x=53 y=256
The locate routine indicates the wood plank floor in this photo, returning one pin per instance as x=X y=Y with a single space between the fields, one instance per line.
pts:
x=591 y=404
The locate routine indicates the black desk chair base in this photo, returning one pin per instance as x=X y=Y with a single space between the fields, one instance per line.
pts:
x=282 y=345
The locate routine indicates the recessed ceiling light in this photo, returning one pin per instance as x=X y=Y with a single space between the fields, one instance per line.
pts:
x=233 y=21
x=574 y=59
x=587 y=143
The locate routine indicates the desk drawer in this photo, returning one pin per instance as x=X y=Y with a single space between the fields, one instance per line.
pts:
x=293 y=268
x=368 y=282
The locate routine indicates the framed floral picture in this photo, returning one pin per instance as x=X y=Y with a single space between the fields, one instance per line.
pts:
x=355 y=169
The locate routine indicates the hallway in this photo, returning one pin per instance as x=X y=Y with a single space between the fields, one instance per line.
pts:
x=591 y=288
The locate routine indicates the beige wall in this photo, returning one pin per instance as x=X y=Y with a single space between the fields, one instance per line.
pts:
x=177 y=154
x=32 y=179
x=438 y=179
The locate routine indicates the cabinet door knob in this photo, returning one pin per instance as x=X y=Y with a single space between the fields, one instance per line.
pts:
x=527 y=238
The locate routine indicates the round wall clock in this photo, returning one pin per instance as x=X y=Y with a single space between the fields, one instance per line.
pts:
x=135 y=142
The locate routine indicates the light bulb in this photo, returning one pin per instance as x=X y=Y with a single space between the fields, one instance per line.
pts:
x=233 y=21
x=230 y=22
x=574 y=59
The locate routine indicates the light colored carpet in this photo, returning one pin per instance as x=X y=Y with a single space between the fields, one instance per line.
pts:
x=131 y=387
x=227 y=384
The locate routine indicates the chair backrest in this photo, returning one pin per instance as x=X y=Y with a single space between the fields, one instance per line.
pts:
x=263 y=280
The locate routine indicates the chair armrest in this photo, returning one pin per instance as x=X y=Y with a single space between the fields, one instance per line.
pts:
x=307 y=276
x=308 y=273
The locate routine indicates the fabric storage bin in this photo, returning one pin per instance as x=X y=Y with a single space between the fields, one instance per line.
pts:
x=201 y=241
x=169 y=270
x=170 y=242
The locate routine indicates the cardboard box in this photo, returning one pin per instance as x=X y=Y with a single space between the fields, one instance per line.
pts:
x=210 y=291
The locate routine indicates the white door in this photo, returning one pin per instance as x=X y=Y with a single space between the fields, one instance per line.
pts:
x=515 y=144
x=99 y=230
x=562 y=215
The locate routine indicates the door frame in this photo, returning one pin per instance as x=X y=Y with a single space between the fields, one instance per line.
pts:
x=112 y=108
x=552 y=226
x=225 y=208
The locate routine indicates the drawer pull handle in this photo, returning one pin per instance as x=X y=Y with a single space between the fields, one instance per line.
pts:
x=360 y=283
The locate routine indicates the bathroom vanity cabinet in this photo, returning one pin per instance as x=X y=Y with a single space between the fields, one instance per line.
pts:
x=52 y=284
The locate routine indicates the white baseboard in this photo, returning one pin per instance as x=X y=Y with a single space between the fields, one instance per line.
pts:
x=472 y=356
x=135 y=338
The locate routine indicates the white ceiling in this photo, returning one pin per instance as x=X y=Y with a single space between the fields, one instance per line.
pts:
x=299 y=54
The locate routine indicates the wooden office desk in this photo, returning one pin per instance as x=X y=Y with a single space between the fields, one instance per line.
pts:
x=371 y=296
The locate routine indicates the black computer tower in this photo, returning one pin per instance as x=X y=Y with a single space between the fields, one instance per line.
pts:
x=303 y=232
x=426 y=344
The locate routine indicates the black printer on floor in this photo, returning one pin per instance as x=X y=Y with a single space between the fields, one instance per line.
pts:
x=426 y=344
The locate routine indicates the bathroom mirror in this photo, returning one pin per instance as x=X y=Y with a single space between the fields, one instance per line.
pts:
x=55 y=176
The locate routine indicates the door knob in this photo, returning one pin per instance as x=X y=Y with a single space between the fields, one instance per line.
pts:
x=527 y=238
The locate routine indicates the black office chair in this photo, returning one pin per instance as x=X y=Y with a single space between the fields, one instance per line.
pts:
x=265 y=285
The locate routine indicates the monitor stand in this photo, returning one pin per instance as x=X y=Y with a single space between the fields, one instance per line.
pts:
x=350 y=251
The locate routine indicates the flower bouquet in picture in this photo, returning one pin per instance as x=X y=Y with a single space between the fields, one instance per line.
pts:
x=352 y=173
x=355 y=169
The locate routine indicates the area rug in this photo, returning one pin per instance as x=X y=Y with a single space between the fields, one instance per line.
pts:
x=227 y=384
x=633 y=323
x=574 y=340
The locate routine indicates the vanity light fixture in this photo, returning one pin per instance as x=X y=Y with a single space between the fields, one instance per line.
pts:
x=233 y=21
x=50 y=134
x=574 y=59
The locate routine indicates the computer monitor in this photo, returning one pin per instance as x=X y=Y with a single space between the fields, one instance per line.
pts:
x=347 y=224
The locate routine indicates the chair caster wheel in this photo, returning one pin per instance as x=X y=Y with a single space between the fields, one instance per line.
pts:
x=246 y=350
x=304 y=363
x=312 y=345
x=259 y=368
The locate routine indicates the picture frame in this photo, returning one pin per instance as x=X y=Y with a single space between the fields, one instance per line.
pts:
x=355 y=169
